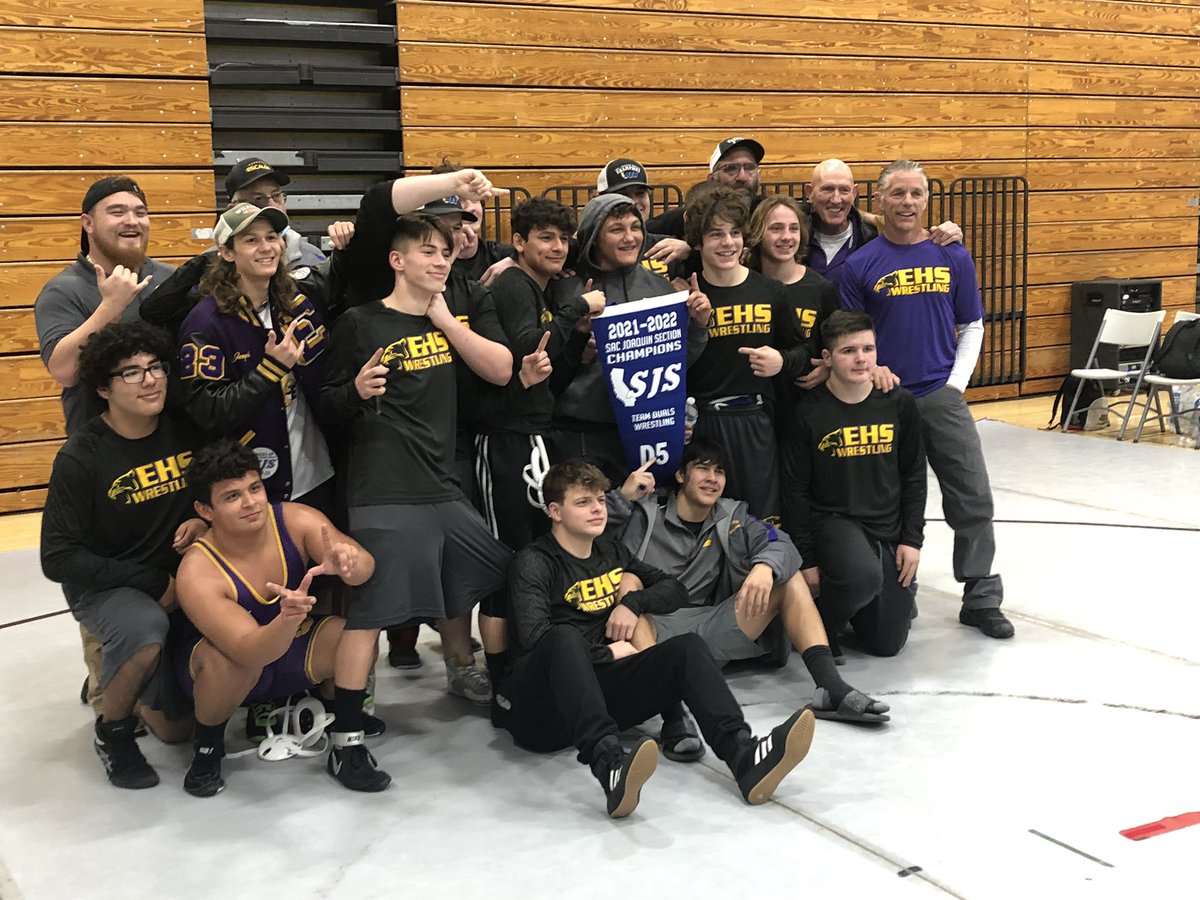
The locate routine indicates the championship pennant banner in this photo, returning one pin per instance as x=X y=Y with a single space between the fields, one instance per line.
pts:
x=642 y=350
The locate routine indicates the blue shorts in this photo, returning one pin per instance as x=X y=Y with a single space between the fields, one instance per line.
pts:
x=290 y=674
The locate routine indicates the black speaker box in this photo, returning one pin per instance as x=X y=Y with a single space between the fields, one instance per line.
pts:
x=1089 y=300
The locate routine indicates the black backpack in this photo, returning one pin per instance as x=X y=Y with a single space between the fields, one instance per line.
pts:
x=1090 y=394
x=1179 y=355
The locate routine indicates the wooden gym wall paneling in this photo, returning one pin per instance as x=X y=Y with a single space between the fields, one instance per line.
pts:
x=1093 y=101
x=87 y=89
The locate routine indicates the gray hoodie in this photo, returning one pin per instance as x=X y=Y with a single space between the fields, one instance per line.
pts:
x=717 y=560
x=586 y=398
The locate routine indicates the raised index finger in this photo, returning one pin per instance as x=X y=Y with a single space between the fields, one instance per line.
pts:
x=646 y=465
x=375 y=358
x=541 y=347
x=302 y=587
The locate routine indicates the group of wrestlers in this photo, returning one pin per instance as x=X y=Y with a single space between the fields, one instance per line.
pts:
x=275 y=455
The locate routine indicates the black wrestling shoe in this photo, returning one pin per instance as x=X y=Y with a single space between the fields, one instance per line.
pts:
x=990 y=621
x=351 y=763
x=83 y=691
x=204 y=779
x=122 y=758
x=404 y=658
x=624 y=779
x=768 y=760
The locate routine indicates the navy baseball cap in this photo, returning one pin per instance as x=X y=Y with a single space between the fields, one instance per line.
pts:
x=621 y=173
x=445 y=205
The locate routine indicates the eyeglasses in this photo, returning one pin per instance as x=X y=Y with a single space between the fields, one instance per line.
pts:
x=733 y=168
x=261 y=200
x=137 y=374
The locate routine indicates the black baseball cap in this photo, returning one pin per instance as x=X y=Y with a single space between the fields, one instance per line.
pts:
x=755 y=148
x=621 y=173
x=250 y=170
x=106 y=187
x=445 y=205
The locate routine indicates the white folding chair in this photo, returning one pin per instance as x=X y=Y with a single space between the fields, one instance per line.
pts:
x=1120 y=329
x=1156 y=383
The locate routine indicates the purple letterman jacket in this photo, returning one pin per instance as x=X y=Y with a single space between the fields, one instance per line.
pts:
x=233 y=389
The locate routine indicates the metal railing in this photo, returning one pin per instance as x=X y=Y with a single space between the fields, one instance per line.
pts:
x=663 y=197
x=994 y=216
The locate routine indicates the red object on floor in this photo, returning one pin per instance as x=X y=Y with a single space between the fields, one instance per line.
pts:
x=1162 y=826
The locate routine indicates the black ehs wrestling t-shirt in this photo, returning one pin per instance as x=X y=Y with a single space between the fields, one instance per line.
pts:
x=113 y=507
x=548 y=587
x=402 y=443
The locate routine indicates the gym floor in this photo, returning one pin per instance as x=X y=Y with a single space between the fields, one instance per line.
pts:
x=1008 y=769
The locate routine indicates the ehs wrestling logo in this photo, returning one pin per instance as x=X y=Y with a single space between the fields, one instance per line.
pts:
x=163 y=476
x=421 y=351
x=595 y=594
x=921 y=280
x=742 y=318
x=858 y=440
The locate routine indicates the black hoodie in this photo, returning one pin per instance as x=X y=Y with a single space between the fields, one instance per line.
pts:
x=584 y=401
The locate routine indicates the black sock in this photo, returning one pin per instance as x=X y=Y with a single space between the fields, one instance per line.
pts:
x=348 y=709
x=674 y=714
x=497 y=666
x=821 y=667
x=210 y=736
x=606 y=754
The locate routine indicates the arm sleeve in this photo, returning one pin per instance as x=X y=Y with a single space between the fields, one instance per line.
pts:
x=518 y=306
x=662 y=593
x=914 y=484
x=170 y=302
x=796 y=482
x=325 y=285
x=697 y=340
x=568 y=364
x=216 y=402
x=66 y=522
x=849 y=290
x=620 y=512
x=530 y=583
x=785 y=336
x=968 y=304
x=55 y=315
x=338 y=398
x=484 y=320
x=827 y=305
x=368 y=250
x=966 y=354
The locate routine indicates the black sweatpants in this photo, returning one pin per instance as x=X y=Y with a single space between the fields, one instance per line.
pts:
x=859 y=585
x=560 y=698
x=748 y=436
x=504 y=498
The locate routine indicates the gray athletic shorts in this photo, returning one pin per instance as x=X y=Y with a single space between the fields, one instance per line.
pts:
x=432 y=561
x=124 y=620
x=716 y=624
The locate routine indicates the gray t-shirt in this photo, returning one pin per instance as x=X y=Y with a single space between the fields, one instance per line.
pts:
x=66 y=302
